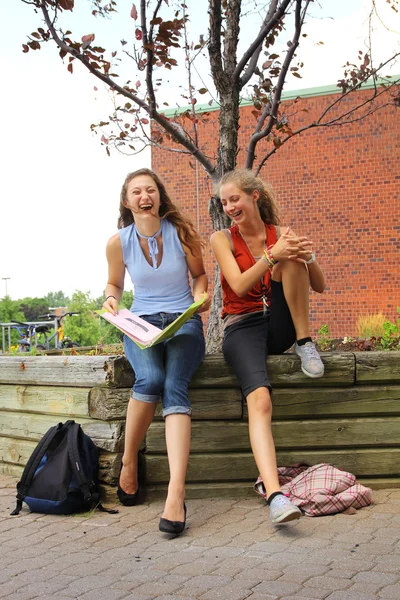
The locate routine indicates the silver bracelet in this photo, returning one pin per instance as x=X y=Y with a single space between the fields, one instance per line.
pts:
x=312 y=259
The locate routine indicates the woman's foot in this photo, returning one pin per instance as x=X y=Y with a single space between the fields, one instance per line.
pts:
x=174 y=508
x=174 y=527
x=281 y=510
x=128 y=488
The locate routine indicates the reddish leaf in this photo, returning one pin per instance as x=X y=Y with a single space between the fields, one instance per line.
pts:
x=66 y=4
x=277 y=142
x=134 y=12
x=70 y=68
x=138 y=34
x=35 y=35
x=267 y=64
x=104 y=139
x=25 y=48
x=34 y=45
x=145 y=121
x=88 y=38
x=95 y=88
x=63 y=53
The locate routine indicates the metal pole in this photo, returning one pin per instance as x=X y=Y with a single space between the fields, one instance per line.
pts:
x=5 y=279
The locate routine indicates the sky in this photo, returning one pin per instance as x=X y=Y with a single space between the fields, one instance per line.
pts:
x=59 y=191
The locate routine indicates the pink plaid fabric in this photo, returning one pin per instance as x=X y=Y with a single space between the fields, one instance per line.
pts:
x=320 y=490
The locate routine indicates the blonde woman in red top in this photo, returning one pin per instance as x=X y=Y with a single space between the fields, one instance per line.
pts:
x=266 y=273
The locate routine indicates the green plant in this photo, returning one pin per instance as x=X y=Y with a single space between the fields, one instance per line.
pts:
x=390 y=339
x=324 y=338
x=371 y=325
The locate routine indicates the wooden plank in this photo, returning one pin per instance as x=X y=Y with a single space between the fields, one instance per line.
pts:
x=219 y=403
x=377 y=367
x=230 y=436
x=224 y=467
x=89 y=371
x=76 y=371
x=108 y=435
x=63 y=401
x=244 y=489
x=284 y=371
x=355 y=401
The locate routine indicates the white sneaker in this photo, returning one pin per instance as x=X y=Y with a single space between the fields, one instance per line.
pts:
x=311 y=363
x=281 y=510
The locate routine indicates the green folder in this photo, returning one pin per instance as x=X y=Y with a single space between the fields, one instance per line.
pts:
x=164 y=334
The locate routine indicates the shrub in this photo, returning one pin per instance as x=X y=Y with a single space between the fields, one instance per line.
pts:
x=371 y=325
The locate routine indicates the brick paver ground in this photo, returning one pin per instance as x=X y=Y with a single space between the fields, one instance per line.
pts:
x=229 y=551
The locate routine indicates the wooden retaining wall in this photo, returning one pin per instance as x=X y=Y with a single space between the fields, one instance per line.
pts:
x=349 y=418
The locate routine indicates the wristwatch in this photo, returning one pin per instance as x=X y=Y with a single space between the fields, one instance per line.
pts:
x=312 y=259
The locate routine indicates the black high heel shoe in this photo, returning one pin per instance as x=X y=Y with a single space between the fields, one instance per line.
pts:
x=125 y=498
x=173 y=527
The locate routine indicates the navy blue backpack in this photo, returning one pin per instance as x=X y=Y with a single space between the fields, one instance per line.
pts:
x=61 y=475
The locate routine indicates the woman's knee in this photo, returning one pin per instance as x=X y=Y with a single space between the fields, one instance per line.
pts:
x=259 y=403
x=150 y=383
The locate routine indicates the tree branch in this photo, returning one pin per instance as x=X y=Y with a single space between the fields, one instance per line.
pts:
x=264 y=31
x=338 y=121
x=214 y=45
x=273 y=114
x=254 y=59
x=154 y=114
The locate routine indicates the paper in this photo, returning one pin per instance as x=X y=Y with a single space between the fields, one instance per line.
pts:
x=143 y=333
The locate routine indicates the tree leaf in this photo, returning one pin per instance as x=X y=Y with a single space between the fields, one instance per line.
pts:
x=138 y=34
x=88 y=39
x=70 y=68
x=133 y=12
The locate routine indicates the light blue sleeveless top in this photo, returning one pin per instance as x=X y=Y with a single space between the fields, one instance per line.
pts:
x=162 y=289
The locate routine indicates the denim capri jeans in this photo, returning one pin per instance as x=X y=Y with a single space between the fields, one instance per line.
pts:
x=166 y=369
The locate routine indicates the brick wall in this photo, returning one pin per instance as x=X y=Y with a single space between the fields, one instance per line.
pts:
x=338 y=185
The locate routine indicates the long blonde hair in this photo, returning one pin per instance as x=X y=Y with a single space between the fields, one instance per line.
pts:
x=168 y=210
x=246 y=181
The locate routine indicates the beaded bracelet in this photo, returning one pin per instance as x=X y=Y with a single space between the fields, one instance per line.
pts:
x=271 y=262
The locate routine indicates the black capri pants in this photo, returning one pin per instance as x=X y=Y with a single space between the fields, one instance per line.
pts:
x=248 y=343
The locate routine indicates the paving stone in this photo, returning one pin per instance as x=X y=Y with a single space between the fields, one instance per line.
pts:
x=378 y=577
x=348 y=595
x=165 y=585
x=279 y=588
x=390 y=592
x=257 y=574
x=107 y=594
x=227 y=592
x=202 y=584
x=328 y=583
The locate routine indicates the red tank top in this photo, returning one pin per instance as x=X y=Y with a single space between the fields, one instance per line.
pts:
x=252 y=302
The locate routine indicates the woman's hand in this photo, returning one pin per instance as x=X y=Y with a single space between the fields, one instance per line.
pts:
x=111 y=305
x=206 y=304
x=292 y=247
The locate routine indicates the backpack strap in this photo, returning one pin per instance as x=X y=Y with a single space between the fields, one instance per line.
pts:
x=33 y=463
x=75 y=461
x=89 y=496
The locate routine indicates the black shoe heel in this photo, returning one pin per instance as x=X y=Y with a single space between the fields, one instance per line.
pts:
x=125 y=498
x=173 y=527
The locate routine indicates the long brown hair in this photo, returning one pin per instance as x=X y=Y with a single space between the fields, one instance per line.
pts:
x=248 y=182
x=168 y=210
